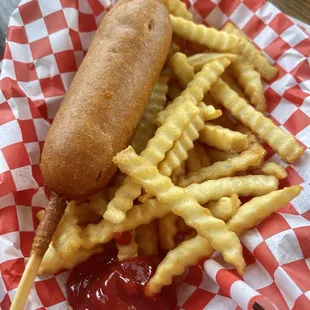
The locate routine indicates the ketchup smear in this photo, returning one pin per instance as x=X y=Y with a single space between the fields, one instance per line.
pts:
x=102 y=282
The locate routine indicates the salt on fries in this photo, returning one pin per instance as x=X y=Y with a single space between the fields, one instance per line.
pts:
x=191 y=152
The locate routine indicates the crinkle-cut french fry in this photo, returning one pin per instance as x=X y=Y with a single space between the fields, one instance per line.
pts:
x=233 y=84
x=204 y=158
x=190 y=252
x=257 y=209
x=156 y=103
x=183 y=205
x=147 y=239
x=248 y=159
x=178 y=8
x=154 y=153
x=102 y=232
x=126 y=251
x=250 y=185
x=174 y=89
x=52 y=261
x=167 y=230
x=225 y=208
x=178 y=173
x=98 y=202
x=193 y=163
x=282 y=143
x=174 y=48
x=209 y=113
x=223 y=138
x=217 y=155
x=179 y=152
x=271 y=168
x=197 y=87
x=250 y=80
x=247 y=49
x=67 y=238
x=210 y=37
x=183 y=72
x=197 y=61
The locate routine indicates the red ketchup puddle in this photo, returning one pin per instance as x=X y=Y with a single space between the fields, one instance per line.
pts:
x=102 y=282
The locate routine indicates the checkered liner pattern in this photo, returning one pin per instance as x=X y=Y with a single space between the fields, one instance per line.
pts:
x=46 y=42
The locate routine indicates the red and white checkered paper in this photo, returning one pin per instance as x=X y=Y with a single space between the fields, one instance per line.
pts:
x=46 y=42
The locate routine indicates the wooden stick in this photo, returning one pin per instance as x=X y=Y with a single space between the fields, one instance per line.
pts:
x=26 y=282
x=44 y=234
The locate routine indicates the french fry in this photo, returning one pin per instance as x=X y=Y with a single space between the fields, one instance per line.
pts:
x=210 y=37
x=209 y=113
x=174 y=48
x=197 y=88
x=52 y=261
x=217 y=155
x=167 y=230
x=248 y=159
x=95 y=234
x=197 y=61
x=147 y=239
x=40 y=215
x=178 y=174
x=271 y=168
x=178 y=8
x=282 y=143
x=190 y=252
x=183 y=72
x=223 y=138
x=246 y=49
x=204 y=158
x=225 y=208
x=129 y=250
x=257 y=209
x=174 y=90
x=156 y=103
x=193 y=163
x=250 y=80
x=233 y=84
x=67 y=238
x=250 y=185
x=182 y=204
x=154 y=153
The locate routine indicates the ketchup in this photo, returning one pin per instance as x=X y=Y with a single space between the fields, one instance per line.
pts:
x=102 y=282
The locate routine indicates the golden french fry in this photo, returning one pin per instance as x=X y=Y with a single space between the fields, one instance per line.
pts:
x=250 y=185
x=174 y=90
x=182 y=204
x=223 y=138
x=197 y=88
x=190 y=252
x=174 y=48
x=128 y=250
x=183 y=72
x=67 y=238
x=204 y=158
x=209 y=113
x=178 y=174
x=282 y=143
x=210 y=37
x=257 y=209
x=147 y=239
x=193 y=163
x=95 y=234
x=52 y=261
x=233 y=84
x=167 y=230
x=270 y=168
x=217 y=155
x=225 y=208
x=247 y=49
x=178 y=8
x=197 y=61
x=248 y=159
x=250 y=80
x=156 y=103
x=154 y=153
